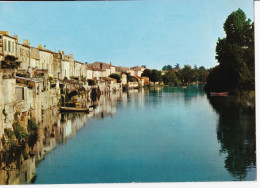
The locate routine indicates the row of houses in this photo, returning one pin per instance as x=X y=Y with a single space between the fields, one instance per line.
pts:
x=58 y=64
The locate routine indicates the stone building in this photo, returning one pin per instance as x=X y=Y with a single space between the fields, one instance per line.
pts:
x=35 y=58
x=23 y=54
x=7 y=45
x=57 y=65
x=46 y=59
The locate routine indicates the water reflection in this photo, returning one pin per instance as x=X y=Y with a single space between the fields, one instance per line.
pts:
x=18 y=164
x=235 y=129
x=236 y=134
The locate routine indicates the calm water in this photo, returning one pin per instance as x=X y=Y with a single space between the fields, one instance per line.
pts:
x=163 y=135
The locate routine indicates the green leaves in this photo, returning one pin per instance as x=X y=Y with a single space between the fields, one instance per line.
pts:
x=116 y=76
x=10 y=62
x=235 y=54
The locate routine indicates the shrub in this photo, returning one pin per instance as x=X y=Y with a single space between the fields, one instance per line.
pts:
x=50 y=78
x=116 y=76
x=19 y=132
x=8 y=139
x=74 y=78
x=91 y=82
x=32 y=126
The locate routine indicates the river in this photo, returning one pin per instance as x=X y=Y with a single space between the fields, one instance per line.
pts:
x=163 y=135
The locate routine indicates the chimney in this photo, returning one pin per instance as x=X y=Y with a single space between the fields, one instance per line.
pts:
x=26 y=42
x=4 y=32
x=62 y=52
x=40 y=46
x=17 y=38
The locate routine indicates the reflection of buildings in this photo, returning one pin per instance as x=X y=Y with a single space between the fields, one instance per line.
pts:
x=55 y=128
x=236 y=134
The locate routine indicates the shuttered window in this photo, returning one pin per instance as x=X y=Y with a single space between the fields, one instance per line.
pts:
x=9 y=46
x=5 y=43
x=12 y=47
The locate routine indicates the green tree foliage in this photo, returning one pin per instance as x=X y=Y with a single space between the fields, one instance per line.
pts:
x=170 y=78
x=177 y=67
x=202 y=74
x=116 y=76
x=147 y=73
x=20 y=132
x=154 y=75
x=10 y=62
x=91 y=82
x=167 y=68
x=235 y=54
x=187 y=74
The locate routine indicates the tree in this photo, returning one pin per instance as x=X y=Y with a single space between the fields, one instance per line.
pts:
x=177 y=67
x=147 y=73
x=156 y=76
x=170 y=78
x=186 y=74
x=235 y=55
x=116 y=76
x=10 y=62
x=167 y=68
x=203 y=74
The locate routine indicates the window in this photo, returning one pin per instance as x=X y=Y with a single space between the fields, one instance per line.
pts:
x=9 y=46
x=13 y=47
x=19 y=92
x=4 y=45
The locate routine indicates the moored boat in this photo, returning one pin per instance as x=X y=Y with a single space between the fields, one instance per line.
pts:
x=219 y=94
x=73 y=109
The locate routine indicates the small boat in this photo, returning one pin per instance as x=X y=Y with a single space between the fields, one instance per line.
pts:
x=219 y=94
x=73 y=109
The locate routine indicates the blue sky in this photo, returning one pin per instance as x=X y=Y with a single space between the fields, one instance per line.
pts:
x=127 y=33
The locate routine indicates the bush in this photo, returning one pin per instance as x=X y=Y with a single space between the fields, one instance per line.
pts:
x=116 y=76
x=32 y=126
x=19 y=132
x=8 y=139
x=82 y=78
x=74 y=78
x=50 y=78
x=10 y=62
x=91 y=82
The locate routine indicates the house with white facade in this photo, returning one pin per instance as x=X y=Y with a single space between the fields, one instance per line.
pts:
x=46 y=60
x=7 y=45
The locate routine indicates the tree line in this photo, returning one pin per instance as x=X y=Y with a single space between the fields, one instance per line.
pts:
x=177 y=76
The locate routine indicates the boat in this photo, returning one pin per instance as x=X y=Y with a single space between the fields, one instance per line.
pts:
x=73 y=109
x=219 y=94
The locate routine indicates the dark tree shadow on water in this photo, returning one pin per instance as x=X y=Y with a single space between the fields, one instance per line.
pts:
x=236 y=135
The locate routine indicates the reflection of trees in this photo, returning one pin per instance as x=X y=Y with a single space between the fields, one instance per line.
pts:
x=236 y=134
x=192 y=91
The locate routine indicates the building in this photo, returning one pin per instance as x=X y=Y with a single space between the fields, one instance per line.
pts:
x=138 y=70
x=7 y=45
x=23 y=54
x=46 y=59
x=35 y=58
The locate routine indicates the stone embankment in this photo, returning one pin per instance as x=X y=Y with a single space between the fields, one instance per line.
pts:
x=23 y=99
